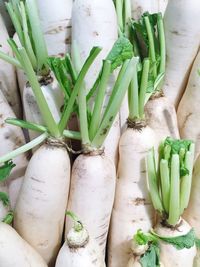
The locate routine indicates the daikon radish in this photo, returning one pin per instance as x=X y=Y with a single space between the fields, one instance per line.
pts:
x=7 y=74
x=96 y=22
x=14 y=251
x=93 y=173
x=11 y=138
x=40 y=209
x=132 y=206
x=170 y=193
x=188 y=110
x=14 y=187
x=141 y=6
x=192 y=212
x=56 y=25
x=79 y=249
x=182 y=42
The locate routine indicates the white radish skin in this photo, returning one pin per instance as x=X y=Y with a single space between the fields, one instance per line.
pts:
x=11 y=137
x=141 y=6
x=14 y=187
x=92 y=192
x=54 y=98
x=132 y=207
x=83 y=252
x=40 y=209
x=192 y=213
x=14 y=251
x=162 y=5
x=136 y=263
x=7 y=74
x=161 y=117
x=96 y=22
x=182 y=32
x=56 y=24
x=169 y=255
x=189 y=110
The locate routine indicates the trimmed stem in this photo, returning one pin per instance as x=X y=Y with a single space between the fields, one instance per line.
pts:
x=174 y=205
x=41 y=101
x=96 y=116
x=161 y=34
x=119 y=11
x=151 y=45
x=127 y=17
x=133 y=97
x=83 y=116
x=143 y=86
x=117 y=98
x=79 y=83
x=165 y=183
x=13 y=154
x=186 y=181
x=78 y=226
x=152 y=181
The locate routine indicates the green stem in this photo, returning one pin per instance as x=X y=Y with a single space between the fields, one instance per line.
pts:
x=127 y=17
x=27 y=42
x=78 y=226
x=165 y=183
x=37 y=36
x=83 y=116
x=133 y=97
x=152 y=181
x=16 y=23
x=117 y=98
x=79 y=83
x=119 y=11
x=161 y=34
x=41 y=101
x=186 y=181
x=174 y=205
x=13 y=154
x=143 y=86
x=151 y=45
x=10 y=60
x=96 y=116
x=40 y=128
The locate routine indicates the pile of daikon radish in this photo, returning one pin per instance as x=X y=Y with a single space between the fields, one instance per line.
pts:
x=99 y=133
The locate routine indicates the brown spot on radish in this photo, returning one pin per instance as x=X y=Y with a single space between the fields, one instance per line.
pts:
x=68 y=40
x=186 y=119
x=175 y=32
x=1 y=116
x=88 y=11
x=96 y=33
x=2 y=125
x=37 y=180
x=140 y=201
x=94 y=261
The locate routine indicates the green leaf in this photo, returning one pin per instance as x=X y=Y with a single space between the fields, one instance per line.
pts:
x=141 y=238
x=151 y=258
x=121 y=51
x=181 y=242
x=4 y=198
x=9 y=218
x=5 y=170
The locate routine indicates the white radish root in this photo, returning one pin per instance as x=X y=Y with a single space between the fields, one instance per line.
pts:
x=14 y=251
x=182 y=32
x=14 y=187
x=132 y=208
x=80 y=250
x=40 y=209
x=92 y=192
x=189 y=110
x=169 y=255
x=161 y=117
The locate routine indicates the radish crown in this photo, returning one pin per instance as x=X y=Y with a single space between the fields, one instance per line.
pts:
x=170 y=184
